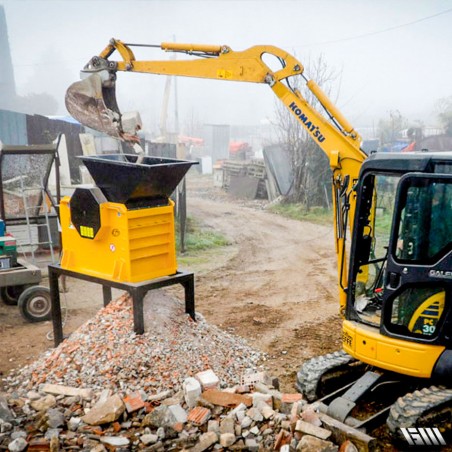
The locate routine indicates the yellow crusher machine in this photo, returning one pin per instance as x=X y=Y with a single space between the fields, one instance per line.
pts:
x=122 y=229
x=395 y=288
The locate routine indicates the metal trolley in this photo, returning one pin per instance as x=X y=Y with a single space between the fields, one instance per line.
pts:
x=26 y=205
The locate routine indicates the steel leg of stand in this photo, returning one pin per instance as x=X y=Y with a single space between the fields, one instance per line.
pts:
x=138 y=315
x=56 y=307
x=137 y=292
x=106 y=291
x=189 y=288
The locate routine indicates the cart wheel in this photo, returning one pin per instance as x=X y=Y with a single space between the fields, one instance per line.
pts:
x=10 y=294
x=35 y=305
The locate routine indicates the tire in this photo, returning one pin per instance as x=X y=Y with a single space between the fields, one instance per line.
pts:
x=10 y=294
x=35 y=304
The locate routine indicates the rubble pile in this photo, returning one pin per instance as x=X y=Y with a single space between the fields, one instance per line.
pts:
x=183 y=385
x=252 y=416
x=106 y=353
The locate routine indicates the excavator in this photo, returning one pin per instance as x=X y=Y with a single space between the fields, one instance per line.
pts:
x=394 y=263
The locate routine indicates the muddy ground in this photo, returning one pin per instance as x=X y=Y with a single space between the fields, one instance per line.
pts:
x=275 y=285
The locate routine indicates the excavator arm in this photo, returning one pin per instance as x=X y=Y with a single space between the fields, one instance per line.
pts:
x=92 y=101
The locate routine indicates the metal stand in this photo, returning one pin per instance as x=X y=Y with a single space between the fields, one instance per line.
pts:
x=136 y=290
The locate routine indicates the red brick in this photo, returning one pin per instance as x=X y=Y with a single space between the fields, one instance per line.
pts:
x=291 y=398
x=39 y=445
x=178 y=426
x=226 y=399
x=133 y=402
x=148 y=407
x=199 y=415
x=282 y=439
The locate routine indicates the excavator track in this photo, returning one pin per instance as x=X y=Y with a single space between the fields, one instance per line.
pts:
x=314 y=370
x=428 y=407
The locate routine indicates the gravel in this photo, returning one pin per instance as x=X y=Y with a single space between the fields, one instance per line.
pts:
x=105 y=353
x=107 y=388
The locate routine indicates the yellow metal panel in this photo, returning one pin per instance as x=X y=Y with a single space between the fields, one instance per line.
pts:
x=149 y=252
x=157 y=229
x=144 y=242
x=131 y=246
x=409 y=358
x=366 y=346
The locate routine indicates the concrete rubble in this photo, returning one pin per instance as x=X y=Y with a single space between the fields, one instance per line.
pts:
x=197 y=389
x=234 y=418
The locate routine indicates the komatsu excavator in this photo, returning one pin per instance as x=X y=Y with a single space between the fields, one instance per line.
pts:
x=395 y=288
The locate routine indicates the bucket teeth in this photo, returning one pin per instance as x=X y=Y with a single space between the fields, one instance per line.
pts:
x=86 y=101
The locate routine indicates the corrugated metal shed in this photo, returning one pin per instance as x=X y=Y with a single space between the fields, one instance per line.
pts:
x=278 y=165
x=216 y=139
x=13 y=128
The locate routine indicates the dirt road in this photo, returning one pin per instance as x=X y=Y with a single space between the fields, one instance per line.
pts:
x=275 y=285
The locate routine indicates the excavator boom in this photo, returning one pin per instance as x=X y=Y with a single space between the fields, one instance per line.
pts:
x=211 y=62
x=92 y=101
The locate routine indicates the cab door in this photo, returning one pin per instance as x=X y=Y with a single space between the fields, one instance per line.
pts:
x=418 y=274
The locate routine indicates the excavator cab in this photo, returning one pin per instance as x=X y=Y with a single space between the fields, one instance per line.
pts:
x=401 y=253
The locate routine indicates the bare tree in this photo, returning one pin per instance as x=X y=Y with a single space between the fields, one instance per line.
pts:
x=389 y=129
x=310 y=165
x=444 y=112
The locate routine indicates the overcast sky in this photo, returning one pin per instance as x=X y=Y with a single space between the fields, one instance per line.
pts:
x=391 y=54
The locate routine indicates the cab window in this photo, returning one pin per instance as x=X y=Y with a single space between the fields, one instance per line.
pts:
x=425 y=223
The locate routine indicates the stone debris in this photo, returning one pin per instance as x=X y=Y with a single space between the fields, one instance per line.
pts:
x=192 y=390
x=67 y=391
x=105 y=412
x=182 y=385
x=313 y=430
x=105 y=353
x=226 y=399
x=207 y=379
x=100 y=424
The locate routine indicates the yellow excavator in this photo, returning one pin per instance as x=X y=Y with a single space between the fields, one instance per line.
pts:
x=394 y=257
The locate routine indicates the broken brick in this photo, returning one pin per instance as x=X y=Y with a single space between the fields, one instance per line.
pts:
x=133 y=402
x=199 y=415
x=226 y=399
x=291 y=398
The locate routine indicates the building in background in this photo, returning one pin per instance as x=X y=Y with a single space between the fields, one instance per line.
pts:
x=8 y=96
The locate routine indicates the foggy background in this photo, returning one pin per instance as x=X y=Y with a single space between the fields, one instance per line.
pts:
x=388 y=54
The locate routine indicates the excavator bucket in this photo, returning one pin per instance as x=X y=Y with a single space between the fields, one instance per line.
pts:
x=94 y=105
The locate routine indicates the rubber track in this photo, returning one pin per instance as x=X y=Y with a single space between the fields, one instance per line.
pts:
x=408 y=409
x=311 y=371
